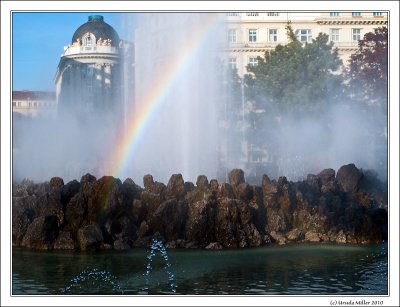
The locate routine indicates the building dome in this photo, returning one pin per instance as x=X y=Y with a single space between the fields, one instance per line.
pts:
x=96 y=29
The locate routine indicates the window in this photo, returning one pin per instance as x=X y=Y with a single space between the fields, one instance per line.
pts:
x=252 y=14
x=253 y=62
x=376 y=14
x=35 y=105
x=232 y=63
x=14 y=104
x=30 y=104
x=232 y=14
x=273 y=35
x=356 y=33
x=334 y=14
x=334 y=35
x=304 y=35
x=88 y=39
x=272 y=14
x=252 y=35
x=356 y=14
x=19 y=104
x=232 y=35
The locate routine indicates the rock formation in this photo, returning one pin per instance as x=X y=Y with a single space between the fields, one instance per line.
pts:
x=104 y=213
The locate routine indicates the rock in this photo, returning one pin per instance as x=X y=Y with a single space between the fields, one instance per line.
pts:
x=200 y=224
x=214 y=185
x=169 y=219
x=253 y=237
x=128 y=192
x=50 y=204
x=269 y=187
x=278 y=237
x=121 y=245
x=41 y=233
x=180 y=243
x=244 y=192
x=191 y=245
x=104 y=199
x=294 y=235
x=90 y=237
x=143 y=230
x=189 y=186
x=266 y=239
x=348 y=178
x=159 y=188
x=313 y=183
x=56 y=184
x=105 y=213
x=282 y=181
x=151 y=201
x=176 y=187
x=87 y=182
x=26 y=187
x=148 y=182
x=312 y=236
x=276 y=220
x=105 y=246
x=171 y=244
x=226 y=191
x=19 y=191
x=128 y=228
x=236 y=177
x=340 y=237
x=226 y=223
x=64 y=241
x=138 y=211
x=40 y=189
x=199 y=194
x=76 y=211
x=202 y=182
x=327 y=175
x=234 y=225
x=68 y=191
x=23 y=213
x=214 y=246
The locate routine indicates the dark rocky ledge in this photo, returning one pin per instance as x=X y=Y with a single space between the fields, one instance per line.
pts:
x=98 y=214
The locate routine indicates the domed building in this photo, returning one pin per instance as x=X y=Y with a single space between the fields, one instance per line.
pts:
x=89 y=76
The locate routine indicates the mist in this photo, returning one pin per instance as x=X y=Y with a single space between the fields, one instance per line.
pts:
x=186 y=133
x=296 y=145
x=181 y=133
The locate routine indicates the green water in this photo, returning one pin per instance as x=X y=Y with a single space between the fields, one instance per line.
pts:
x=288 y=270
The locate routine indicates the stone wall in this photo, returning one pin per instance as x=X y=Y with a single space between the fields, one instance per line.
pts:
x=104 y=213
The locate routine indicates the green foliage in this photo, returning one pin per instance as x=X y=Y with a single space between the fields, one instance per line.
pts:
x=296 y=77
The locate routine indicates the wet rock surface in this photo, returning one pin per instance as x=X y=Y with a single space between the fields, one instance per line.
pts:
x=347 y=206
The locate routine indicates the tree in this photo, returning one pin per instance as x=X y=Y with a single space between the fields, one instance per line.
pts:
x=368 y=69
x=296 y=77
x=367 y=77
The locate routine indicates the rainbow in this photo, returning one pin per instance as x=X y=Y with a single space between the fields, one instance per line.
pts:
x=138 y=122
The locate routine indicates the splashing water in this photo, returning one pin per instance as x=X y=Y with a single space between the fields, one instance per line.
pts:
x=95 y=281
x=99 y=282
x=158 y=246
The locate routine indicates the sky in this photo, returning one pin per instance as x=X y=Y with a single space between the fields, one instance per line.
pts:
x=38 y=39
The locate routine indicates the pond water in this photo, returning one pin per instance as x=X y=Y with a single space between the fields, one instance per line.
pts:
x=274 y=270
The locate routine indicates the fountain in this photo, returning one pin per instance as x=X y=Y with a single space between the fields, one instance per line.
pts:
x=93 y=281
x=176 y=97
x=157 y=245
x=96 y=281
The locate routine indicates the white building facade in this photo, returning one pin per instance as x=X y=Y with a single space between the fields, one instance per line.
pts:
x=250 y=34
x=34 y=103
